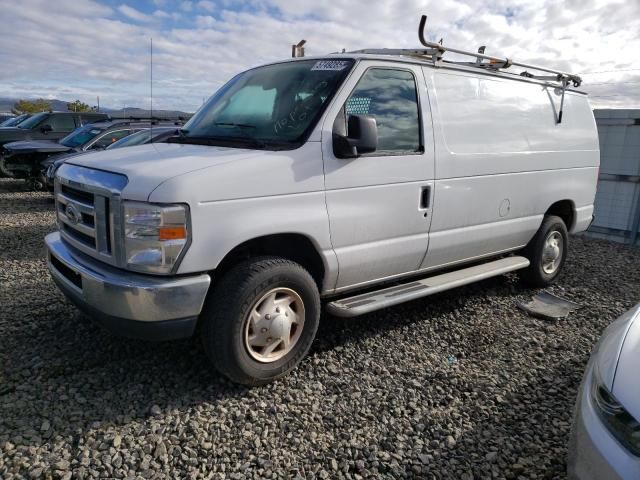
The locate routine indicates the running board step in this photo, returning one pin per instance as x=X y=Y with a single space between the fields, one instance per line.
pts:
x=368 y=302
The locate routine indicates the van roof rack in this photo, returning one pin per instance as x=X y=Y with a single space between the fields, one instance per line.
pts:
x=434 y=52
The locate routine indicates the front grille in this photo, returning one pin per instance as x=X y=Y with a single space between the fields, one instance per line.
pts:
x=89 y=213
x=77 y=195
x=88 y=240
x=69 y=274
x=77 y=214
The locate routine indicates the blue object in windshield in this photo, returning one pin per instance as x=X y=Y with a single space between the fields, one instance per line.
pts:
x=80 y=136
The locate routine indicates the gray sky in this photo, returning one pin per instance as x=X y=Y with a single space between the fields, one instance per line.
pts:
x=71 y=49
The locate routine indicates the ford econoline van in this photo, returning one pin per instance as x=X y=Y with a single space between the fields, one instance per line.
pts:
x=353 y=182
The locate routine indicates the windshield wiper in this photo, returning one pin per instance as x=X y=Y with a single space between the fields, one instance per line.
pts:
x=239 y=125
x=219 y=141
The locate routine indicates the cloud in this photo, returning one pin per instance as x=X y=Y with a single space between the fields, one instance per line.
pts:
x=207 y=5
x=161 y=14
x=86 y=47
x=134 y=14
x=205 y=21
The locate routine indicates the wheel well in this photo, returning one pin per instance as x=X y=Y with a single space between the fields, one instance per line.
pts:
x=564 y=210
x=292 y=246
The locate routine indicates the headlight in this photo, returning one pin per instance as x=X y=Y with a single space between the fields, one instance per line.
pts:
x=155 y=236
x=618 y=421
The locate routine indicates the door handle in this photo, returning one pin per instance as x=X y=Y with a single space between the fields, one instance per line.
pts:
x=425 y=197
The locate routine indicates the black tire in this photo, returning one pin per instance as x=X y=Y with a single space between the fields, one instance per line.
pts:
x=234 y=296
x=536 y=274
x=40 y=183
x=4 y=172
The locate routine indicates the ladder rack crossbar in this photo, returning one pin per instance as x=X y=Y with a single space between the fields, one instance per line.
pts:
x=435 y=52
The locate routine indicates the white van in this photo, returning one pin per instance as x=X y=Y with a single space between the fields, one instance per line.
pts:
x=356 y=180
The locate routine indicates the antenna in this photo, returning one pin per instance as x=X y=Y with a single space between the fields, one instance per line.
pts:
x=151 y=88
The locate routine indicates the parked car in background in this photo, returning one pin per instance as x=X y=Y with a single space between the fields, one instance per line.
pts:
x=45 y=126
x=14 y=121
x=157 y=134
x=310 y=180
x=605 y=437
x=6 y=116
x=147 y=135
x=24 y=159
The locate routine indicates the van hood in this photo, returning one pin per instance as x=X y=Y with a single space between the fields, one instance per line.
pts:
x=147 y=166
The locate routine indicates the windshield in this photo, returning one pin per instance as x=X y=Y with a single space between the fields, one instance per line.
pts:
x=80 y=136
x=13 y=121
x=137 y=138
x=33 y=121
x=274 y=105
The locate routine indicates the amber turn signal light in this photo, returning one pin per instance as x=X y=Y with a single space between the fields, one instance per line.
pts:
x=172 y=233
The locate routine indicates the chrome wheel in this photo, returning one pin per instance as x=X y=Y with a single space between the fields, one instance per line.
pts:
x=552 y=252
x=273 y=325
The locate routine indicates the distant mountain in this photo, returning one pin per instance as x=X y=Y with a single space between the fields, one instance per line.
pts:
x=7 y=103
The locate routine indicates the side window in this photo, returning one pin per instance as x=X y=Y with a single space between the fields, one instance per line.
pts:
x=61 y=123
x=390 y=97
x=109 y=138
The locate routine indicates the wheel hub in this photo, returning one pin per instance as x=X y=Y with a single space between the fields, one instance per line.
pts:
x=552 y=252
x=273 y=325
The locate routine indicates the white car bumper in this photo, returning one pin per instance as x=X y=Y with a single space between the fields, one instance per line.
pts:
x=594 y=454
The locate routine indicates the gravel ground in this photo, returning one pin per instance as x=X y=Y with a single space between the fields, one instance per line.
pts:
x=461 y=385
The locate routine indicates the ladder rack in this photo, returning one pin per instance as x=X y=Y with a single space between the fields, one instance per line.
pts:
x=434 y=52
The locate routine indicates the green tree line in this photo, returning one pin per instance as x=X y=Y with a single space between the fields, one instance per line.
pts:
x=42 y=105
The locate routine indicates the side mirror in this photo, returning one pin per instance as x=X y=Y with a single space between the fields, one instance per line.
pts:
x=46 y=128
x=362 y=137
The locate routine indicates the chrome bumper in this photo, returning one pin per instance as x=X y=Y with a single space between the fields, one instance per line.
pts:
x=129 y=304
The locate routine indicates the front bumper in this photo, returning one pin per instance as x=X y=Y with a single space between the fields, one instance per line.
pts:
x=126 y=303
x=594 y=454
x=49 y=176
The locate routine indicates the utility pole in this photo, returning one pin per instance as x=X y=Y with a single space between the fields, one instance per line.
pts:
x=151 y=88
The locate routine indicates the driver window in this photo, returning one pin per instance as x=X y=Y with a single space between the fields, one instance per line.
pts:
x=61 y=123
x=390 y=97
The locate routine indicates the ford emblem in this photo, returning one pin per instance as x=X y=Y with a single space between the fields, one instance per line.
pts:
x=72 y=213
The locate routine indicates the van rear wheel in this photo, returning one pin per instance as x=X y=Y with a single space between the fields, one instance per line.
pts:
x=547 y=252
x=260 y=320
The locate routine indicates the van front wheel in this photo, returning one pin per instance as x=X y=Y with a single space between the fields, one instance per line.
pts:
x=260 y=320
x=547 y=252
